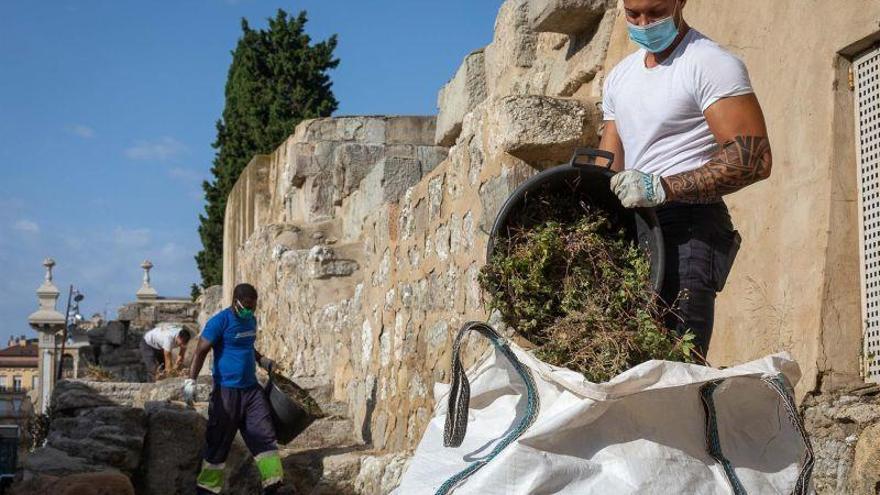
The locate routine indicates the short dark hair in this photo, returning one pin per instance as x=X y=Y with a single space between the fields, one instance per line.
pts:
x=244 y=291
x=184 y=335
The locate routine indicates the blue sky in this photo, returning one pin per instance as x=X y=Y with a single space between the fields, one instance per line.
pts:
x=107 y=113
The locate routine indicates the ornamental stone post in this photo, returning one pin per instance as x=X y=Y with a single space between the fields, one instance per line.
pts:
x=47 y=321
x=146 y=292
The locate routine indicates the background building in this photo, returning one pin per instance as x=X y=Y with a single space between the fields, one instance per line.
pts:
x=19 y=365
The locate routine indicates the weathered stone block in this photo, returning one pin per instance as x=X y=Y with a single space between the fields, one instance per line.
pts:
x=54 y=462
x=410 y=130
x=373 y=131
x=459 y=96
x=864 y=477
x=431 y=156
x=541 y=130
x=128 y=312
x=320 y=193
x=147 y=317
x=317 y=130
x=322 y=263
x=381 y=474
x=357 y=160
x=210 y=303
x=493 y=193
x=567 y=16
x=109 y=436
x=513 y=48
x=400 y=174
x=172 y=449
x=114 y=333
x=72 y=395
x=303 y=163
x=435 y=197
x=105 y=482
x=172 y=389
x=588 y=59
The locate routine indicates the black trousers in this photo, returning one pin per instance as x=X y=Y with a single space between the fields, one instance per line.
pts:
x=701 y=246
x=152 y=358
x=233 y=410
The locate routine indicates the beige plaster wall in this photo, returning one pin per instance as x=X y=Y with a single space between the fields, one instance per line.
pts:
x=795 y=284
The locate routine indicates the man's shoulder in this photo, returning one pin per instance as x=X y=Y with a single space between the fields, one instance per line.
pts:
x=619 y=71
x=704 y=50
x=220 y=318
x=222 y=314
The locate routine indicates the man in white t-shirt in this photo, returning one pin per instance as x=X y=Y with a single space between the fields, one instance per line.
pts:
x=686 y=129
x=157 y=345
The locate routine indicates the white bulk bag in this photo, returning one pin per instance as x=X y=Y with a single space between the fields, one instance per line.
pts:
x=661 y=427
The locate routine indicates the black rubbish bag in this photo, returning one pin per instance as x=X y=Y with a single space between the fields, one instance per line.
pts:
x=293 y=409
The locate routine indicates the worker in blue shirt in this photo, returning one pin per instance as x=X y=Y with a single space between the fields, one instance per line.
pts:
x=237 y=400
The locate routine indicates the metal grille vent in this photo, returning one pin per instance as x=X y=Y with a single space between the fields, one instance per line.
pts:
x=866 y=74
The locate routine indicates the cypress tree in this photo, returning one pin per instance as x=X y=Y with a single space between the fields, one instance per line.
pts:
x=277 y=79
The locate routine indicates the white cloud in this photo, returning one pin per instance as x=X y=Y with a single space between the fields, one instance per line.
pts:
x=81 y=130
x=27 y=226
x=162 y=149
x=131 y=237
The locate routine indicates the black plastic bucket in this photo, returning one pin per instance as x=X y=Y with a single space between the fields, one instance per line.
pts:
x=289 y=418
x=583 y=180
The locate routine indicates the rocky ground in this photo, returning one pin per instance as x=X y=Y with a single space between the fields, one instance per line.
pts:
x=844 y=428
x=143 y=432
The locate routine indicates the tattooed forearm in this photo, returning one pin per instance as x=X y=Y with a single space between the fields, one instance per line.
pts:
x=740 y=162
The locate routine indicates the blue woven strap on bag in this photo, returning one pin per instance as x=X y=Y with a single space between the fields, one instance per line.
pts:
x=459 y=400
x=780 y=385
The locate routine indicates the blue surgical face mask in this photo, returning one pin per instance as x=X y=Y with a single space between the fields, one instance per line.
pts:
x=654 y=37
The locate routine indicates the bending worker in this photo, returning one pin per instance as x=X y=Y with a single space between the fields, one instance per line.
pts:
x=237 y=400
x=157 y=345
x=682 y=119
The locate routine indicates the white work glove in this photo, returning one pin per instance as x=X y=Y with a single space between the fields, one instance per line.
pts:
x=638 y=189
x=267 y=364
x=189 y=391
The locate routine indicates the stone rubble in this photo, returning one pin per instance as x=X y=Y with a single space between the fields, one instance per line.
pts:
x=844 y=428
x=144 y=431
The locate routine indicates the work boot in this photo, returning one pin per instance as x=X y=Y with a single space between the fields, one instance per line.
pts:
x=272 y=489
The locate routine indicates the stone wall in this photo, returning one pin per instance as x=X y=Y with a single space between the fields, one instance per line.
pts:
x=144 y=315
x=365 y=238
x=845 y=430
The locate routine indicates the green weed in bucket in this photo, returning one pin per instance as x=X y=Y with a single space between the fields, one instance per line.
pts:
x=578 y=290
